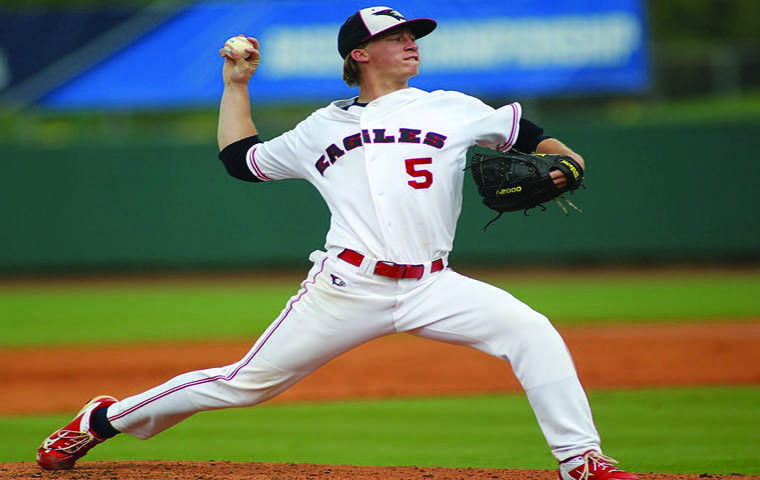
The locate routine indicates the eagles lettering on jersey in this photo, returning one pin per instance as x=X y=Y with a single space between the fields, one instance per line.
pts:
x=377 y=135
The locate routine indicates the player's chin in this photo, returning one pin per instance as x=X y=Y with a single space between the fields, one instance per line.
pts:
x=412 y=66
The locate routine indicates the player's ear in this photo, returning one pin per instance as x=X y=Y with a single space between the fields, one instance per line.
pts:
x=359 y=55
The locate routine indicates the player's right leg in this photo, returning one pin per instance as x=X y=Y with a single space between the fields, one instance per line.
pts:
x=62 y=448
x=324 y=319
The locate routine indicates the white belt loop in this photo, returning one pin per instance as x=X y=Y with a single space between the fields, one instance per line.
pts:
x=368 y=266
x=445 y=260
x=429 y=265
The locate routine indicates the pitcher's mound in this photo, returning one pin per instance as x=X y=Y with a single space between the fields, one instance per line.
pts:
x=294 y=471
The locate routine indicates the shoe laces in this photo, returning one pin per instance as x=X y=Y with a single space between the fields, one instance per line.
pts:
x=71 y=441
x=594 y=461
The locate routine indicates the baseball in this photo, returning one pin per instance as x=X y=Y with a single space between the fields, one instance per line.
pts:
x=238 y=44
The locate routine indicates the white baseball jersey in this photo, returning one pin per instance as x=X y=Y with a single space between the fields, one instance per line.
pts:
x=391 y=172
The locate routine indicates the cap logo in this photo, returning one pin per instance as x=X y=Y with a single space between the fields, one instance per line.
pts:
x=391 y=13
x=366 y=23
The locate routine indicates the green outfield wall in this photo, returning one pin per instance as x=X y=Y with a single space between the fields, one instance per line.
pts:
x=655 y=193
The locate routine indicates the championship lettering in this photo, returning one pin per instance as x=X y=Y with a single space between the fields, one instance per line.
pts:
x=377 y=135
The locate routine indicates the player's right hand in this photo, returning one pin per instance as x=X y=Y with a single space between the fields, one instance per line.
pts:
x=238 y=69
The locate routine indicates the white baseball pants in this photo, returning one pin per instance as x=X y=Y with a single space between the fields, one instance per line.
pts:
x=339 y=307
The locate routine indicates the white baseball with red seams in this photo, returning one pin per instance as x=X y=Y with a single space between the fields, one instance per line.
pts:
x=391 y=174
x=238 y=44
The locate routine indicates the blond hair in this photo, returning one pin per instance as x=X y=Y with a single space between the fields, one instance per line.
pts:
x=351 y=74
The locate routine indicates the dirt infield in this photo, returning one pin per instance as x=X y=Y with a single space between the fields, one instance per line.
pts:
x=399 y=366
x=295 y=471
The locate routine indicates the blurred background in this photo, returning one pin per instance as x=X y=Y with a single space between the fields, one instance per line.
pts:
x=108 y=129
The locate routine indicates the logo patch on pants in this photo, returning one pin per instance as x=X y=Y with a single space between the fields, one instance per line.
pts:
x=337 y=281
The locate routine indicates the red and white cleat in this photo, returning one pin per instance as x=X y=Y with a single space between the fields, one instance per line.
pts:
x=592 y=465
x=62 y=449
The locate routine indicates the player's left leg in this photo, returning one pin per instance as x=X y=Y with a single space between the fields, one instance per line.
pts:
x=61 y=449
x=487 y=318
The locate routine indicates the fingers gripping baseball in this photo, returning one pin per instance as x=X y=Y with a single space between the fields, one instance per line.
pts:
x=242 y=58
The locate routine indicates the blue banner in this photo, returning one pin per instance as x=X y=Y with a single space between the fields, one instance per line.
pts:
x=60 y=31
x=484 y=48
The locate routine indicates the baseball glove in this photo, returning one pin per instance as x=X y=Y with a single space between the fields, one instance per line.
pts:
x=512 y=181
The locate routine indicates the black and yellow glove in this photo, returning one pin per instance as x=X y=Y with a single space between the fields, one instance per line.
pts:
x=513 y=181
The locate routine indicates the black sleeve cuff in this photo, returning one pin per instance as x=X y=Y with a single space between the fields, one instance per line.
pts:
x=233 y=158
x=529 y=137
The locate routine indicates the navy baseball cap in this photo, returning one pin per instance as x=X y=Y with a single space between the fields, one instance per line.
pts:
x=368 y=22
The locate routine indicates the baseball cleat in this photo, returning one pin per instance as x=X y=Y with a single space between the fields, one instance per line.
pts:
x=592 y=465
x=65 y=446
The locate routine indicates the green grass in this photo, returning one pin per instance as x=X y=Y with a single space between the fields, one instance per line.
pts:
x=163 y=310
x=137 y=311
x=652 y=297
x=695 y=430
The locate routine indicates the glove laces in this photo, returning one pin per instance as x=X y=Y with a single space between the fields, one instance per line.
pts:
x=570 y=204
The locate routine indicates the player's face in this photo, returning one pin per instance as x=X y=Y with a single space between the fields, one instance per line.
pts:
x=395 y=53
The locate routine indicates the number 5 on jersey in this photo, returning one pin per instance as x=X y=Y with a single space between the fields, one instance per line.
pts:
x=422 y=178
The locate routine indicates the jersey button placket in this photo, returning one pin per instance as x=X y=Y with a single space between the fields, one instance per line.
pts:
x=374 y=169
x=376 y=179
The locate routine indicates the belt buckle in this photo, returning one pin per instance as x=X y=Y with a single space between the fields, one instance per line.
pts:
x=399 y=270
x=390 y=269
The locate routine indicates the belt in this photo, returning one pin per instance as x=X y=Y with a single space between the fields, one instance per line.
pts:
x=390 y=269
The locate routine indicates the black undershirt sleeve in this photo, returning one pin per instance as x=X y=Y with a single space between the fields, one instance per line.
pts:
x=529 y=137
x=233 y=158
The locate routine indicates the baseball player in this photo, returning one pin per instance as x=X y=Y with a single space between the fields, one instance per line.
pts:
x=389 y=163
